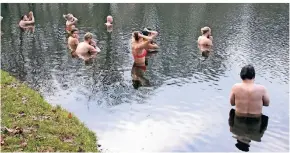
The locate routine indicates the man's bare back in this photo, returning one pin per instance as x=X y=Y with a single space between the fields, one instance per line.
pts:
x=83 y=50
x=248 y=97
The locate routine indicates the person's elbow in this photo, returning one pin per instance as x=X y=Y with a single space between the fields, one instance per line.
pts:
x=266 y=104
x=232 y=103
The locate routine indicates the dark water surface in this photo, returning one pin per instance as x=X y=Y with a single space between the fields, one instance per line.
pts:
x=186 y=108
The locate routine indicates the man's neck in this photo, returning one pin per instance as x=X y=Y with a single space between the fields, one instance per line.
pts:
x=248 y=81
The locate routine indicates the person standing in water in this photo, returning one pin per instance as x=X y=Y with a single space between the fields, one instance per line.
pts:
x=25 y=20
x=70 y=22
x=73 y=41
x=109 y=23
x=139 y=45
x=85 y=50
x=152 y=45
x=205 y=41
x=248 y=97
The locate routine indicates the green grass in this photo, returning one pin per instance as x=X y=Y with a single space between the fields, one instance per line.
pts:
x=30 y=124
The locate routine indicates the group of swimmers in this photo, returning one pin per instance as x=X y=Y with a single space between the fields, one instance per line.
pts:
x=247 y=97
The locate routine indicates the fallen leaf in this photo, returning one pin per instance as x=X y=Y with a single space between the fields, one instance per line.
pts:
x=69 y=115
x=24 y=100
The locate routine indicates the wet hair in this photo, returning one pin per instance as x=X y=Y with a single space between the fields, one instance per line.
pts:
x=73 y=30
x=204 y=30
x=22 y=17
x=88 y=36
x=136 y=35
x=145 y=31
x=247 y=72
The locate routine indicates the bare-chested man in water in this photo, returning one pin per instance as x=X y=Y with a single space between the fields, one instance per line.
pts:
x=87 y=50
x=205 y=41
x=73 y=42
x=248 y=97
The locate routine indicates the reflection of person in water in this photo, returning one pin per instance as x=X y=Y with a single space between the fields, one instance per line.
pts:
x=246 y=129
x=137 y=74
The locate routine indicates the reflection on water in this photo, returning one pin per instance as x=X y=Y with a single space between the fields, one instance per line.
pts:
x=247 y=129
x=185 y=108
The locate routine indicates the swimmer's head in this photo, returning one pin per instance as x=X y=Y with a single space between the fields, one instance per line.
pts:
x=136 y=35
x=247 y=72
x=74 y=32
x=146 y=32
x=88 y=37
x=205 y=31
x=24 y=18
x=109 y=19
x=68 y=16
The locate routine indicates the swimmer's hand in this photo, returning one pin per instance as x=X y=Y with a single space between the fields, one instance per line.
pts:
x=210 y=37
x=145 y=37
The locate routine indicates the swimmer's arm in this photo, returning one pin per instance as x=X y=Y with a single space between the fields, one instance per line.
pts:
x=143 y=45
x=211 y=38
x=153 y=46
x=94 y=50
x=154 y=34
x=74 y=22
x=232 y=96
x=29 y=22
x=76 y=41
x=209 y=42
x=93 y=43
x=265 y=98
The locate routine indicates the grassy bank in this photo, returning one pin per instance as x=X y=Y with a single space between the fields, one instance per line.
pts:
x=31 y=124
